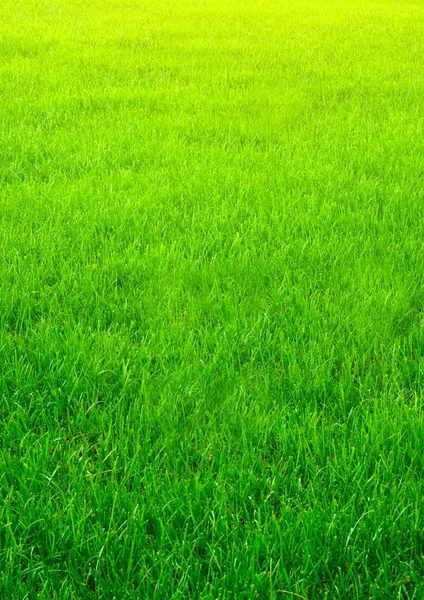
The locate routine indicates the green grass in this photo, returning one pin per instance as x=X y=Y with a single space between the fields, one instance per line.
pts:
x=211 y=299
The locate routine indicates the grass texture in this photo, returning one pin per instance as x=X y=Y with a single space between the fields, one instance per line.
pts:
x=211 y=299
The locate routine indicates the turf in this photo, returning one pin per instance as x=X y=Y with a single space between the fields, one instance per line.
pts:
x=211 y=299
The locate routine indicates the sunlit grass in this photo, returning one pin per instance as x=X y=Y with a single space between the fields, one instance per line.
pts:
x=211 y=299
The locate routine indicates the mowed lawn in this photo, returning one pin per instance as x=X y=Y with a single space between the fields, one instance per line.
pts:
x=211 y=299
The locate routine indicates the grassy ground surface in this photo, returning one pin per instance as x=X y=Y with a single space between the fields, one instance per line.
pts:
x=211 y=299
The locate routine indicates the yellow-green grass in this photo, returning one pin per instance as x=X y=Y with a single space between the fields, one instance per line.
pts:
x=211 y=299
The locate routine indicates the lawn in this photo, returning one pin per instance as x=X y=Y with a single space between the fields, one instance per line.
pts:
x=212 y=299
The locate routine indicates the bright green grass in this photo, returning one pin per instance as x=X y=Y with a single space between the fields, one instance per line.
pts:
x=211 y=299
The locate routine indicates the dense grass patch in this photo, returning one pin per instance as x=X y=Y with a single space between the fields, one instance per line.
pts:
x=211 y=299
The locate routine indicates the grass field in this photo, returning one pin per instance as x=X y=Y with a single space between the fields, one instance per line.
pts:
x=211 y=299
